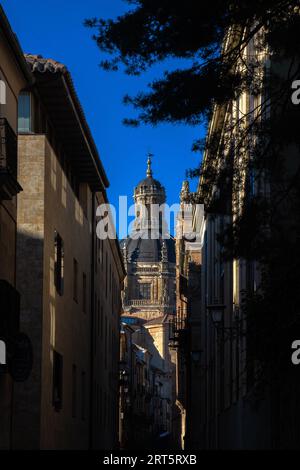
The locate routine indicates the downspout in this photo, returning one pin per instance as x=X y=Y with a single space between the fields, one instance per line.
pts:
x=91 y=427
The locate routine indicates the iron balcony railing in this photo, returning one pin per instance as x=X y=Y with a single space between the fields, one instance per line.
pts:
x=8 y=148
x=138 y=302
x=178 y=328
x=9 y=186
x=142 y=302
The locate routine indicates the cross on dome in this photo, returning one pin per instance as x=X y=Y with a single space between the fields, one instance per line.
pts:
x=149 y=163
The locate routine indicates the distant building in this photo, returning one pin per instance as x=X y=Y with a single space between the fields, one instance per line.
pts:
x=149 y=293
x=145 y=387
x=150 y=263
x=186 y=333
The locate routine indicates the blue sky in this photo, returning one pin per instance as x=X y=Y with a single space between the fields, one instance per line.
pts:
x=54 y=28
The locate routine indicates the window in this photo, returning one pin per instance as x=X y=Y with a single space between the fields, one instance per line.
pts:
x=98 y=251
x=95 y=328
x=83 y=198
x=160 y=222
x=101 y=251
x=101 y=406
x=106 y=273
x=98 y=404
x=57 y=391
x=75 y=280
x=110 y=278
x=105 y=409
x=101 y=322
x=98 y=323
x=74 y=390
x=83 y=375
x=59 y=264
x=96 y=399
x=145 y=291
x=105 y=342
x=84 y=293
x=96 y=254
x=25 y=112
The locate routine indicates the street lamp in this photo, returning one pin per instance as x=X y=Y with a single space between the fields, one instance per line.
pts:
x=217 y=315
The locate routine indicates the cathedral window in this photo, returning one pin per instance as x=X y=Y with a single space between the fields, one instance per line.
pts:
x=145 y=291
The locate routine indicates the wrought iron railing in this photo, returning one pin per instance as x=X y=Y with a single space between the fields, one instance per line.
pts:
x=140 y=302
x=147 y=302
x=146 y=269
x=8 y=149
x=178 y=328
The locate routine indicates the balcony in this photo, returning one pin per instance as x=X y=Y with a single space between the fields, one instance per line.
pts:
x=9 y=186
x=147 y=303
x=145 y=270
x=178 y=331
x=142 y=302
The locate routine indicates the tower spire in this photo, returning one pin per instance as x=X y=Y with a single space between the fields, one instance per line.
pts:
x=149 y=162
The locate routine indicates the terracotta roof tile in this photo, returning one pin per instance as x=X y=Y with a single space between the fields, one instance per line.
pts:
x=40 y=64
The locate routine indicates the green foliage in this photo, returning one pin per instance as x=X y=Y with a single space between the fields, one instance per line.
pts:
x=156 y=30
x=266 y=230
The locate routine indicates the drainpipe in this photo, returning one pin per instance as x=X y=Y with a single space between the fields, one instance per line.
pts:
x=91 y=427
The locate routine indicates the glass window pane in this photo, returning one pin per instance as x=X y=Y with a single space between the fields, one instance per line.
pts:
x=24 y=113
x=145 y=291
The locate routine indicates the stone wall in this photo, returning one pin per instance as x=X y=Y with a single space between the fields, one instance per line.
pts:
x=30 y=280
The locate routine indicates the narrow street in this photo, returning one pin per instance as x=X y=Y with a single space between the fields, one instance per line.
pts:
x=149 y=227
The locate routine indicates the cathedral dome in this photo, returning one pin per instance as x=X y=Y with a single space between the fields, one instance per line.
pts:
x=141 y=246
x=149 y=187
x=149 y=250
x=149 y=182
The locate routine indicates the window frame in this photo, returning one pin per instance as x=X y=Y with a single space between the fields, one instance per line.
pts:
x=30 y=128
x=74 y=391
x=84 y=292
x=59 y=255
x=144 y=292
x=75 y=280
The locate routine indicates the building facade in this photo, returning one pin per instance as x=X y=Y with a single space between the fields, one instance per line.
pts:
x=126 y=386
x=145 y=386
x=233 y=415
x=249 y=387
x=185 y=338
x=149 y=255
x=69 y=401
x=108 y=281
x=14 y=76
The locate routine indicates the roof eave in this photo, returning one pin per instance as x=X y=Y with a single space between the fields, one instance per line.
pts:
x=15 y=46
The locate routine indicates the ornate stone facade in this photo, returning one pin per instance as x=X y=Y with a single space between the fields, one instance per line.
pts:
x=149 y=302
x=150 y=263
